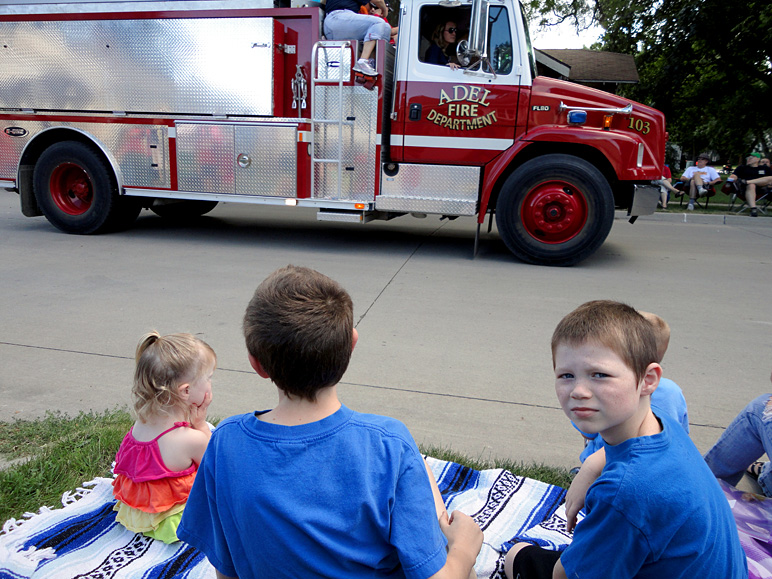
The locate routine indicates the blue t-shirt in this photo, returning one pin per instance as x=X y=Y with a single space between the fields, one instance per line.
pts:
x=345 y=497
x=667 y=400
x=656 y=512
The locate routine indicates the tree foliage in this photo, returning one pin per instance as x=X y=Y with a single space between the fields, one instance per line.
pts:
x=706 y=64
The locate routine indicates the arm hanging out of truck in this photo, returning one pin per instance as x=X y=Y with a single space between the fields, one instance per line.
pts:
x=244 y=101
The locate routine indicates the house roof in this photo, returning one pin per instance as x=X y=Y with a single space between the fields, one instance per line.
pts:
x=595 y=65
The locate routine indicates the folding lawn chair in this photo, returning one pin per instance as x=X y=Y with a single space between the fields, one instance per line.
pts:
x=736 y=191
x=683 y=189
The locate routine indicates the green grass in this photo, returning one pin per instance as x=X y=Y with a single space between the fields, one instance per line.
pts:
x=61 y=452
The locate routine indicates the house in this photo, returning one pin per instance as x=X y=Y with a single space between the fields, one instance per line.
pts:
x=595 y=68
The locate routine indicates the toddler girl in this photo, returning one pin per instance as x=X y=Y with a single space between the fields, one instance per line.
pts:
x=158 y=458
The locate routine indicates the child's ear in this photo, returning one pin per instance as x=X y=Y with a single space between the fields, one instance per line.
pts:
x=257 y=366
x=651 y=378
x=355 y=337
x=184 y=390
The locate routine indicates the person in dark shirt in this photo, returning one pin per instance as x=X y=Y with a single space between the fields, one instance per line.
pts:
x=443 y=40
x=754 y=175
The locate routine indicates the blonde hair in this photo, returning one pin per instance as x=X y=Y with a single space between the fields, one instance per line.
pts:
x=163 y=363
x=661 y=332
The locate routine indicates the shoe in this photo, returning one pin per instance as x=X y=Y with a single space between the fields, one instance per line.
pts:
x=754 y=212
x=754 y=470
x=364 y=67
x=690 y=207
x=574 y=471
x=702 y=190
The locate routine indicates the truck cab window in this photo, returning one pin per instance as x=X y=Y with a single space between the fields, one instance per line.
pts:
x=443 y=28
x=441 y=31
x=500 y=40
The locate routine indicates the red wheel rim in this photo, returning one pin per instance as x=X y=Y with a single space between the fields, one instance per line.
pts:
x=71 y=189
x=554 y=212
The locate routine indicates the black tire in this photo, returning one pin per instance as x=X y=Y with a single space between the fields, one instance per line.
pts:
x=182 y=210
x=77 y=191
x=555 y=210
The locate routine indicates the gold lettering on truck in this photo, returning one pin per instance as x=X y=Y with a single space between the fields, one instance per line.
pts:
x=463 y=109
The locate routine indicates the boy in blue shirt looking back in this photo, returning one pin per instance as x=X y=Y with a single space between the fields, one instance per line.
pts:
x=312 y=488
x=655 y=511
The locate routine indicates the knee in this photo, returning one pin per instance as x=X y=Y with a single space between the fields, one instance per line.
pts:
x=379 y=31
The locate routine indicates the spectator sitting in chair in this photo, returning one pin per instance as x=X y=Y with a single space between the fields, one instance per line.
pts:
x=342 y=21
x=699 y=177
x=666 y=186
x=755 y=173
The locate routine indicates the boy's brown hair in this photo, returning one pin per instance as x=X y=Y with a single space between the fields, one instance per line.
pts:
x=299 y=325
x=614 y=325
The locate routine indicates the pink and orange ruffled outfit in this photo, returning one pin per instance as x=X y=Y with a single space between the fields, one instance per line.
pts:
x=150 y=497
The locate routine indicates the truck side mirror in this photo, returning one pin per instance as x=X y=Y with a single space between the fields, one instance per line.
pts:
x=477 y=46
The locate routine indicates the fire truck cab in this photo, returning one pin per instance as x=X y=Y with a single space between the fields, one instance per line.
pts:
x=106 y=108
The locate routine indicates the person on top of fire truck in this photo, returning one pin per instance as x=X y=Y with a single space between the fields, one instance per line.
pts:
x=342 y=21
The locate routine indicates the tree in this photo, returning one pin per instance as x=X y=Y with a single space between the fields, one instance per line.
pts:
x=706 y=65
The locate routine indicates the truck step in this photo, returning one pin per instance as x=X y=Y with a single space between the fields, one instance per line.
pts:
x=345 y=216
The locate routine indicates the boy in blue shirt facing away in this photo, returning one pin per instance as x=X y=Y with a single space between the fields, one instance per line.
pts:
x=311 y=488
x=655 y=511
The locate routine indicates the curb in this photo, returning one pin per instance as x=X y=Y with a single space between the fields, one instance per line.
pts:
x=702 y=218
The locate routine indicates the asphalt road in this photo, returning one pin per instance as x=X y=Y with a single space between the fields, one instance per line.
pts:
x=457 y=348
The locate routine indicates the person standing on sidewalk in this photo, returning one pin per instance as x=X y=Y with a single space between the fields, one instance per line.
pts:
x=699 y=177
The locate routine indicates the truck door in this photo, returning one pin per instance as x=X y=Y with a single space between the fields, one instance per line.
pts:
x=462 y=116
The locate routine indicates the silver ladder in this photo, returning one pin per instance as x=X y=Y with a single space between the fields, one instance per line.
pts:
x=330 y=65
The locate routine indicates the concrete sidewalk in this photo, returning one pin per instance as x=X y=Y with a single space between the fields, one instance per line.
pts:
x=454 y=346
x=695 y=217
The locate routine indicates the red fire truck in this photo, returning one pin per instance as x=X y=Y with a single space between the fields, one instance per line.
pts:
x=109 y=108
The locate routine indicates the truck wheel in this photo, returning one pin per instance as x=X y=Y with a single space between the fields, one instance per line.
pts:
x=77 y=192
x=181 y=210
x=555 y=210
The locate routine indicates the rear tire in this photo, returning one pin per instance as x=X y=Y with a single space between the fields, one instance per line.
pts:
x=77 y=191
x=555 y=210
x=182 y=210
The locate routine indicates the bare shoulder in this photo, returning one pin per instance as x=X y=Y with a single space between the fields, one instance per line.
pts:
x=182 y=447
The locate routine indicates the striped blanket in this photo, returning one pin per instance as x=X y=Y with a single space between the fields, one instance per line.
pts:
x=82 y=540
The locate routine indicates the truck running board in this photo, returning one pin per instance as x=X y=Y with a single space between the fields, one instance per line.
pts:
x=352 y=216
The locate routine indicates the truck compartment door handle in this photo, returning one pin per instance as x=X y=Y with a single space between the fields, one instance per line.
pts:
x=415 y=112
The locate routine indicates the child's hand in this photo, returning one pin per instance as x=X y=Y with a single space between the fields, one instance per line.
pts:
x=461 y=530
x=198 y=413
